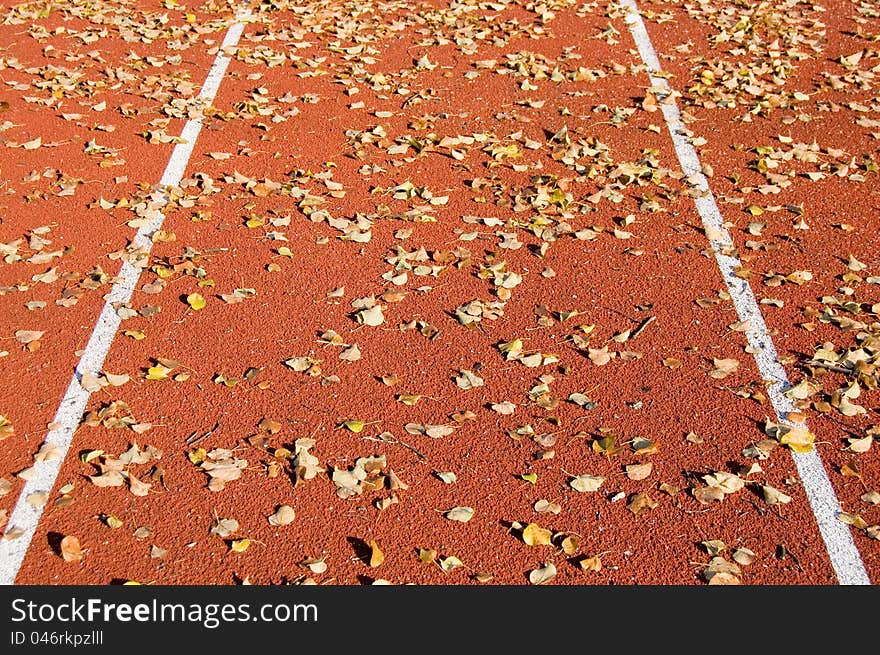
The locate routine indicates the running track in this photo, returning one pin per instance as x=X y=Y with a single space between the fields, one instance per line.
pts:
x=473 y=293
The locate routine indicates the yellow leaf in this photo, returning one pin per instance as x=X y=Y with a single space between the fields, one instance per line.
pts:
x=535 y=535
x=89 y=456
x=376 y=555
x=355 y=425
x=570 y=545
x=799 y=439
x=137 y=335
x=530 y=477
x=196 y=301
x=197 y=455
x=158 y=372
x=6 y=428
x=113 y=522
x=239 y=545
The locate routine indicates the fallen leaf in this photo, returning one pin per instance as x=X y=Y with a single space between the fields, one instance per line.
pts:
x=225 y=527
x=284 y=515
x=546 y=507
x=376 y=555
x=461 y=514
x=639 y=471
x=586 y=482
x=196 y=301
x=71 y=550
x=543 y=575
x=773 y=496
x=641 y=502
x=723 y=368
x=534 y=535
x=591 y=564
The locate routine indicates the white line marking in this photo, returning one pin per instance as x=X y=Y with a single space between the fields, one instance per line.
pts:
x=845 y=558
x=24 y=515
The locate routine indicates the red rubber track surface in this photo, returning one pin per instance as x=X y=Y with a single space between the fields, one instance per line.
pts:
x=603 y=238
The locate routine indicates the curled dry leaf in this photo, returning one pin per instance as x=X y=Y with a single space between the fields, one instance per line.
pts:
x=505 y=408
x=450 y=563
x=468 y=380
x=543 y=575
x=6 y=428
x=284 y=515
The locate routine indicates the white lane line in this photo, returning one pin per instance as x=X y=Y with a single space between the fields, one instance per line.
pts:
x=845 y=558
x=24 y=515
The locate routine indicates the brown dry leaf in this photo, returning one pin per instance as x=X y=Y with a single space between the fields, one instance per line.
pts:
x=641 y=502
x=600 y=356
x=505 y=408
x=225 y=527
x=856 y=445
x=108 y=479
x=851 y=469
x=871 y=497
x=70 y=548
x=743 y=556
x=854 y=520
x=707 y=495
x=350 y=354
x=468 y=380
